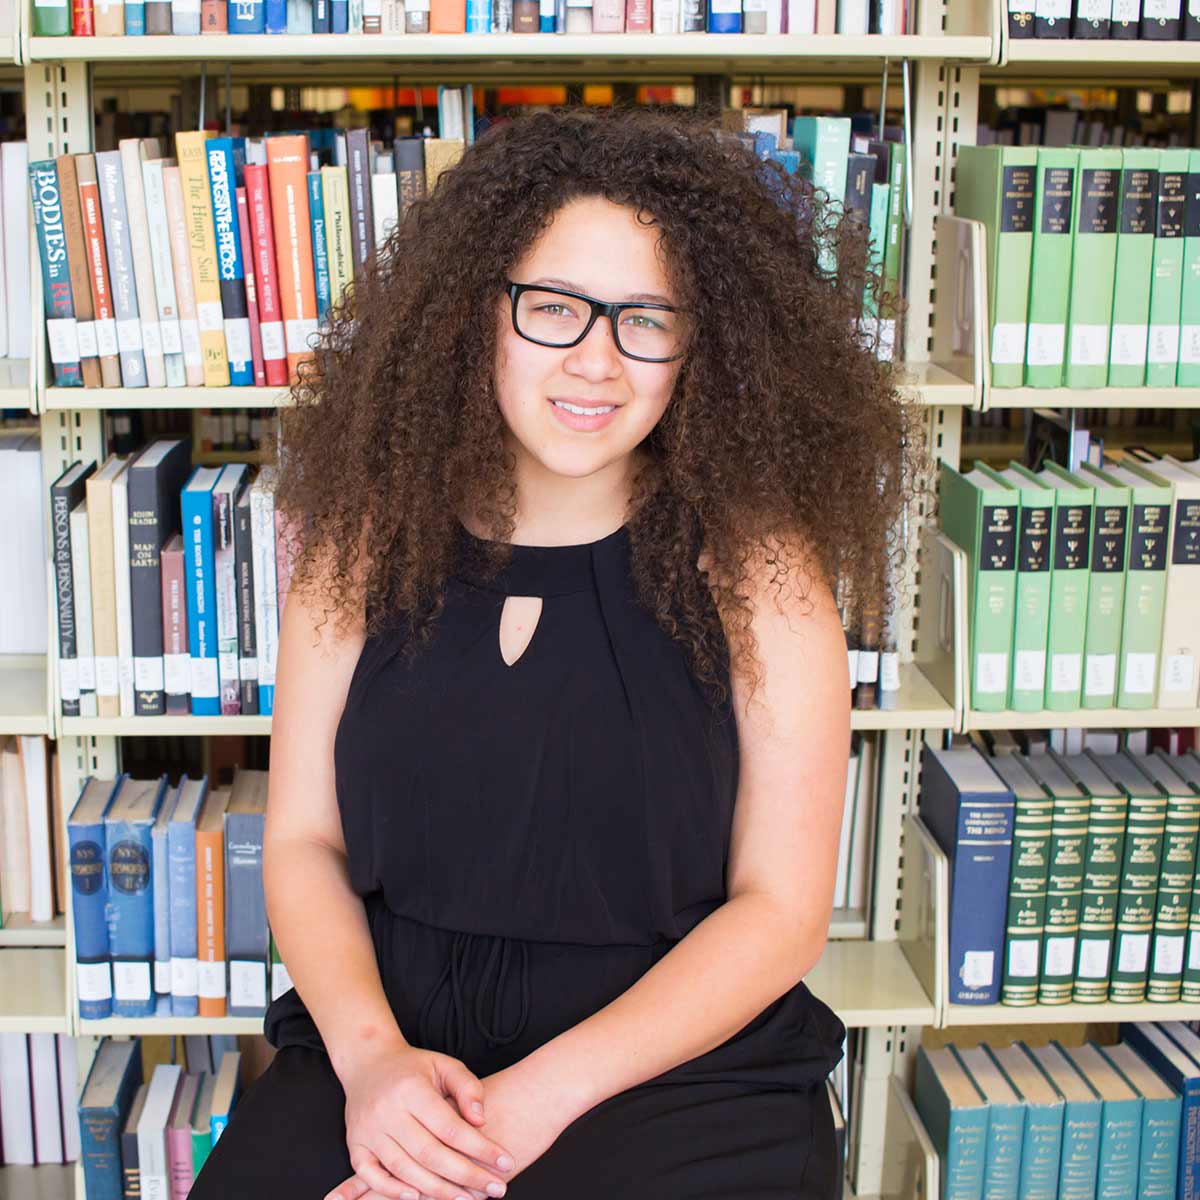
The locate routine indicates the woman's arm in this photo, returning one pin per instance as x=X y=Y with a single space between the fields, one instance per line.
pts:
x=794 y=746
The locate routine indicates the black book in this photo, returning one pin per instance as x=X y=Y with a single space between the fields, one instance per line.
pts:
x=1161 y=20
x=321 y=16
x=1126 y=20
x=66 y=492
x=1191 y=20
x=131 y=1179
x=408 y=154
x=156 y=477
x=1052 y=19
x=358 y=171
x=243 y=551
x=860 y=177
x=1091 y=18
x=1021 y=19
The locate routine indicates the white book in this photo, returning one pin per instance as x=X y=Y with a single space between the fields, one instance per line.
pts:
x=14 y=829
x=385 y=205
x=852 y=16
x=860 y=834
x=81 y=578
x=47 y=1123
x=224 y=497
x=153 y=1173
x=16 y=1100
x=164 y=271
x=36 y=784
x=29 y=513
x=266 y=598
x=185 y=17
x=9 y=552
x=4 y=287
x=1179 y=662
x=18 y=220
x=143 y=268
x=68 y=1095
x=120 y=514
x=843 y=862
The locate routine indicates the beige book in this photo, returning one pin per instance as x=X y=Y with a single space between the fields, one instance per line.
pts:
x=14 y=830
x=1179 y=663
x=181 y=257
x=77 y=264
x=110 y=20
x=393 y=17
x=202 y=244
x=143 y=267
x=335 y=199
x=164 y=268
x=440 y=153
x=104 y=584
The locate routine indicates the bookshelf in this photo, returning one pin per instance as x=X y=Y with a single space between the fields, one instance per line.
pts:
x=884 y=969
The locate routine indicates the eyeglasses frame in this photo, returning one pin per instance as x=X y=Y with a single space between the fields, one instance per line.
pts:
x=599 y=309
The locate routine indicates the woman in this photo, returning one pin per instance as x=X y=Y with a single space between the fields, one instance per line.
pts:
x=555 y=802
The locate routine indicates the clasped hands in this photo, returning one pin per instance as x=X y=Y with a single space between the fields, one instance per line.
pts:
x=421 y=1125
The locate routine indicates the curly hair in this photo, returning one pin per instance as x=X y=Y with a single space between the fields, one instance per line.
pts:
x=784 y=437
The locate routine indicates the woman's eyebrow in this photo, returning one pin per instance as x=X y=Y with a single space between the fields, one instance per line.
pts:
x=647 y=297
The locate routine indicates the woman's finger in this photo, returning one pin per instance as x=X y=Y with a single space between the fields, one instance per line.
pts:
x=380 y=1178
x=353 y=1188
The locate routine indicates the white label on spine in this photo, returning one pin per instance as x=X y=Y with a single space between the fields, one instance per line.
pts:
x=416 y=6
x=106 y=337
x=546 y=8
x=152 y=337
x=1094 y=10
x=1029 y=670
x=185 y=7
x=1023 y=958
x=1100 y=675
x=148 y=674
x=162 y=976
x=247 y=984
x=868 y=666
x=1179 y=673
x=227 y=664
x=1133 y=952
x=1139 y=673
x=237 y=340
x=726 y=6
x=1089 y=345
x=185 y=977
x=1168 y=954
x=93 y=981
x=205 y=683
x=1093 y=959
x=271 y=333
x=1064 y=672
x=247 y=668
x=1054 y=9
x=852 y=660
x=1021 y=6
x=171 y=341
x=177 y=669
x=1008 y=343
x=1128 y=348
x=1194 y=952
x=212 y=979
x=1160 y=10
x=108 y=681
x=209 y=316
x=1164 y=344
x=889 y=671
x=85 y=333
x=991 y=673
x=129 y=334
x=68 y=678
x=978 y=968
x=1127 y=10
x=131 y=980
x=298 y=332
x=64 y=343
x=1060 y=955
x=1046 y=341
x=1189 y=335
x=87 y=673
x=189 y=334
x=281 y=980
x=49 y=3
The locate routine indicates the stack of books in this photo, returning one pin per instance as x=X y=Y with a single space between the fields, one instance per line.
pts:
x=1083 y=586
x=1093 y=263
x=38 y=1082
x=31 y=859
x=1119 y=20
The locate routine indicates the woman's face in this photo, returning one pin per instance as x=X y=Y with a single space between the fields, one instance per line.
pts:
x=598 y=248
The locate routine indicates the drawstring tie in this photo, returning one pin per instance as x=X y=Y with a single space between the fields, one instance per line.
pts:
x=454 y=1023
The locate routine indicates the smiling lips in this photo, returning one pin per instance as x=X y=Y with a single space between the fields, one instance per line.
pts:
x=585 y=417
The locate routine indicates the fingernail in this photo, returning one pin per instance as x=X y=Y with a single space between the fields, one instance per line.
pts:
x=496 y=1189
x=505 y=1163
x=477 y=1108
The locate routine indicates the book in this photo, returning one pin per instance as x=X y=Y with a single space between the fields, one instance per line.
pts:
x=1158 y=1155
x=246 y=932
x=210 y=904
x=104 y=1103
x=1166 y=280
x=1050 y=265
x=1041 y=1148
x=196 y=508
x=181 y=866
x=1082 y=1107
x=955 y=1114
x=153 y=1172
x=1120 y=1121
x=1006 y=1123
x=66 y=492
x=1133 y=268
x=226 y=1090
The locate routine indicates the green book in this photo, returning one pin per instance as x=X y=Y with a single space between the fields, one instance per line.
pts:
x=893 y=255
x=1187 y=767
x=1176 y=875
x=1106 y=587
x=1031 y=605
x=1134 y=267
x=1064 y=878
x=1102 y=859
x=201 y=1122
x=1050 y=267
x=1139 y=877
x=1166 y=285
x=1093 y=265
x=51 y=18
x=1069 y=581
x=980 y=515
x=1189 y=300
x=1028 y=872
x=824 y=146
x=995 y=185
x=1145 y=583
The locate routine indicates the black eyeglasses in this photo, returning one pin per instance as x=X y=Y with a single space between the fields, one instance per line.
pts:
x=556 y=317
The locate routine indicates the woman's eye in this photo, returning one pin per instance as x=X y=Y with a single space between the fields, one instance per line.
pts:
x=642 y=321
x=555 y=310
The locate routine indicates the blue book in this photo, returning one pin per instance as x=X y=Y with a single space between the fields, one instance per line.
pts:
x=1158 y=1157
x=181 y=868
x=339 y=16
x=299 y=16
x=277 y=11
x=104 y=1104
x=1120 y=1123
x=162 y=907
x=1006 y=1123
x=247 y=937
x=127 y=836
x=321 y=20
x=1041 y=1149
x=226 y=160
x=479 y=16
x=200 y=562
x=955 y=1114
x=316 y=220
x=226 y=1092
x=1183 y=1036
x=89 y=895
x=51 y=238
x=969 y=811
x=247 y=16
x=724 y=16
x=135 y=18
x=1080 y=1159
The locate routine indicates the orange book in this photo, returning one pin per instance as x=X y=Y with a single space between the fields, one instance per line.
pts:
x=103 y=310
x=287 y=177
x=210 y=902
x=447 y=16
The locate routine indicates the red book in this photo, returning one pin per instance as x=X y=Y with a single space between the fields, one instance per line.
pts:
x=266 y=275
x=256 y=355
x=637 y=16
x=83 y=18
x=214 y=16
x=176 y=663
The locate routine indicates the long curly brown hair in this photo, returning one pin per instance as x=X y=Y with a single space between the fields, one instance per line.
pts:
x=784 y=436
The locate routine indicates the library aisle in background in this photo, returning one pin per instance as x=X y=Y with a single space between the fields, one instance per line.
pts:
x=938 y=76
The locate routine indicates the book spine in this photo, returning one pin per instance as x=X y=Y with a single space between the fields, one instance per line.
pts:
x=270 y=313
x=98 y=275
x=68 y=666
x=1014 y=254
x=1050 y=271
x=1162 y=350
x=1191 y=963
x=1080 y=1150
x=1139 y=890
x=243 y=543
x=1145 y=596
x=104 y=596
x=266 y=624
x=1189 y=295
x=225 y=580
x=181 y=867
x=1068 y=604
x=77 y=265
x=995 y=593
x=287 y=168
x=89 y=894
x=162 y=912
x=1091 y=19
x=143 y=270
x=1032 y=607
x=120 y=262
x=210 y=918
x=1064 y=893
x=120 y=499
x=130 y=917
x=148 y=528
x=246 y=937
x=1041 y=1152
x=219 y=158
x=181 y=259
x=1106 y=597
x=51 y=19
x=1103 y=856
x=85 y=650
x=335 y=197
x=316 y=212
x=61 y=334
x=1134 y=265
x=1177 y=869
x=177 y=666
x=251 y=281
x=1027 y=899
x=1158 y=1155
x=158 y=226
x=202 y=600
x=1120 y=1139
x=1093 y=263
